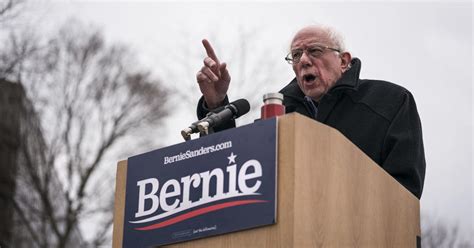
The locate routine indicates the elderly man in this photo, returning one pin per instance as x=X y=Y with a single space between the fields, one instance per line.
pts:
x=379 y=117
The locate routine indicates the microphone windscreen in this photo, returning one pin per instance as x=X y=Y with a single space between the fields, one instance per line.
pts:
x=242 y=106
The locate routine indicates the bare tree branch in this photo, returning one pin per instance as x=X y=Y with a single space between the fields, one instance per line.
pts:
x=439 y=233
x=9 y=9
x=27 y=223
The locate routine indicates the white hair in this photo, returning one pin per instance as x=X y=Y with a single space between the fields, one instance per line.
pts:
x=334 y=36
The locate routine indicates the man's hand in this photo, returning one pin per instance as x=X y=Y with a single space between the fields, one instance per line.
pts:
x=213 y=78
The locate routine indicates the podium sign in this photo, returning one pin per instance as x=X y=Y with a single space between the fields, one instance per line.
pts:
x=217 y=184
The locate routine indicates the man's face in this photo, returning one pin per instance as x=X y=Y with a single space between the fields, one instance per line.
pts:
x=316 y=75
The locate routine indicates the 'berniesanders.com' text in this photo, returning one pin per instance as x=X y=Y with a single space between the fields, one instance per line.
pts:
x=199 y=152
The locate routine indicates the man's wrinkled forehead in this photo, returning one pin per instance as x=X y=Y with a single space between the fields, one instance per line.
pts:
x=309 y=36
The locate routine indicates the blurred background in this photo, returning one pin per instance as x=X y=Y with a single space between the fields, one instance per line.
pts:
x=84 y=84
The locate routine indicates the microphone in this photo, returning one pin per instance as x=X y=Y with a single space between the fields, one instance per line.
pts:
x=213 y=119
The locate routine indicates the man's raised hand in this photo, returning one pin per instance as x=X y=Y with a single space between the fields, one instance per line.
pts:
x=213 y=78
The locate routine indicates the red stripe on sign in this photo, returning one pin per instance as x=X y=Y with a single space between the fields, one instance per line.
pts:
x=197 y=212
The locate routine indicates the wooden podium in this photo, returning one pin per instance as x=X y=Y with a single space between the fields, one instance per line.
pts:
x=330 y=194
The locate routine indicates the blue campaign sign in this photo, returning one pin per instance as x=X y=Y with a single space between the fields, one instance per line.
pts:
x=217 y=184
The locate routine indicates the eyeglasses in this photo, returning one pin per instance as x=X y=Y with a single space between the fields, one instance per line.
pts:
x=315 y=51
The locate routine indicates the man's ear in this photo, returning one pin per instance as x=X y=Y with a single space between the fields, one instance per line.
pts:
x=346 y=58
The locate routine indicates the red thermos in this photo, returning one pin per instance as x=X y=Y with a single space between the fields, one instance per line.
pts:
x=273 y=105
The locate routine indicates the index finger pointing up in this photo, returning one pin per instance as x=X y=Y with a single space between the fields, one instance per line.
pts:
x=210 y=50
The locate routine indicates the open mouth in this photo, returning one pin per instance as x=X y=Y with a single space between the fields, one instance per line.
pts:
x=309 y=78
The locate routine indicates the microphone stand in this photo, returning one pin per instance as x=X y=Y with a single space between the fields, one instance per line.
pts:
x=203 y=131
x=202 y=126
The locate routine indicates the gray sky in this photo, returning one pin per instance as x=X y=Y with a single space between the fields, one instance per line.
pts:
x=425 y=47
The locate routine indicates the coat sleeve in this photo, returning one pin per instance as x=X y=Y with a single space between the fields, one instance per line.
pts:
x=403 y=147
x=202 y=111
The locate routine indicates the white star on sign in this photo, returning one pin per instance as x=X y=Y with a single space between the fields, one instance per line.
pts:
x=232 y=158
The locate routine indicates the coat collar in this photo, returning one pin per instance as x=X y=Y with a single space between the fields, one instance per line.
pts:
x=350 y=78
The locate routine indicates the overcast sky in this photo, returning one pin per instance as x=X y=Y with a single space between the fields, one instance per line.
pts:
x=424 y=47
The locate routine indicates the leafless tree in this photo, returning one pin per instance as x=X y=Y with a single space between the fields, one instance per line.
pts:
x=90 y=97
x=439 y=233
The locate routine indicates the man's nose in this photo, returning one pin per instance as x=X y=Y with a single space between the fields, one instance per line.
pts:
x=305 y=60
